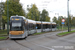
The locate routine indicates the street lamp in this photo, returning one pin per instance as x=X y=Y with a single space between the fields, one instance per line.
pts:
x=35 y=20
x=68 y=14
x=32 y=11
x=51 y=23
x=27 y=19
x=41 y=23
x=7 y=18
x=58 y=19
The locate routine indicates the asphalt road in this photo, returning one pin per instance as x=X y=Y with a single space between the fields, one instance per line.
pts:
x=47 y=41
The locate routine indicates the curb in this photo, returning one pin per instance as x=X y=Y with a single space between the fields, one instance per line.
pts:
x=64 y=35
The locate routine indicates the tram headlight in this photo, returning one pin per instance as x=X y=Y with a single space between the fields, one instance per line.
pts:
x=22 y=31
x=9 y=32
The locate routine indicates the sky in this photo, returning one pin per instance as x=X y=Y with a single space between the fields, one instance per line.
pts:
x=54 y=7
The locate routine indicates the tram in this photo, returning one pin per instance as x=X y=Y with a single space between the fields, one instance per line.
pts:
x=20 y=27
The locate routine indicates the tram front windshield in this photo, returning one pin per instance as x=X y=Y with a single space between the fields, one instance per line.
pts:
x=16 y=26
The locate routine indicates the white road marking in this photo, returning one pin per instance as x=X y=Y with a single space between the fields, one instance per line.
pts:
x=22 y=49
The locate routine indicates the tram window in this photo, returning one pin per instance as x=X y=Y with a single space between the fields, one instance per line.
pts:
x=34 y=26
x=44 y=26
x=26 y=27
x=53 y=26
x=31 y=26
x=38 y=26
x=16 y=24
x=48 y=26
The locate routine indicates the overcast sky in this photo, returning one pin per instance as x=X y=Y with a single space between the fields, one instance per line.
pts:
x=52 y=6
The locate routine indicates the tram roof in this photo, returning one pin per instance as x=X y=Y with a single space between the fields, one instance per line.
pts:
x=31 y=21
x=18 y=16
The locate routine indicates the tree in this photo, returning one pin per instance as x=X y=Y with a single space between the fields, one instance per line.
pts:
x=44 y=15
x=15 y=8
x=66 y=24
x=70 y=21
x=15 y=0
x=33 y=13
x=60 y=20
x=55 y=20
x=73 y=21
x=47 y=19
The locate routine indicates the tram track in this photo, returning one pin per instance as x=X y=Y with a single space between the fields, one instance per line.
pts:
x=31 y=48
x=41 y=46
x=22 y=45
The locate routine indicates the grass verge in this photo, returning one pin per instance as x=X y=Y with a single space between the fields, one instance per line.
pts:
x=65 y=33
x=3 y=38
x=37 y=33
x=4 y=32
x=42 y=33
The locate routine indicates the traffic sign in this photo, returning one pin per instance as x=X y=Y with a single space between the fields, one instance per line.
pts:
x=36 y=27
x=63 y=20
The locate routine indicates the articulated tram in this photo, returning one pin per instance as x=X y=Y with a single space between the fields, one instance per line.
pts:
x=20 y=27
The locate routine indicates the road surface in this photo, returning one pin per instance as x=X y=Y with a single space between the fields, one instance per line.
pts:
x=47 y=41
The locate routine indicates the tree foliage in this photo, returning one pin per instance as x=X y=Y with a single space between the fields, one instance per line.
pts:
x=55 y=19
x=71 y=20
x=47 y=19
x=1 y=13
x=60 y=20
x=33 y=13
x=15 y=8
x=44 y=15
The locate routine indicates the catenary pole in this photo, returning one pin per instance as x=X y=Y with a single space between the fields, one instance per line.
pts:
x=7 y=18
